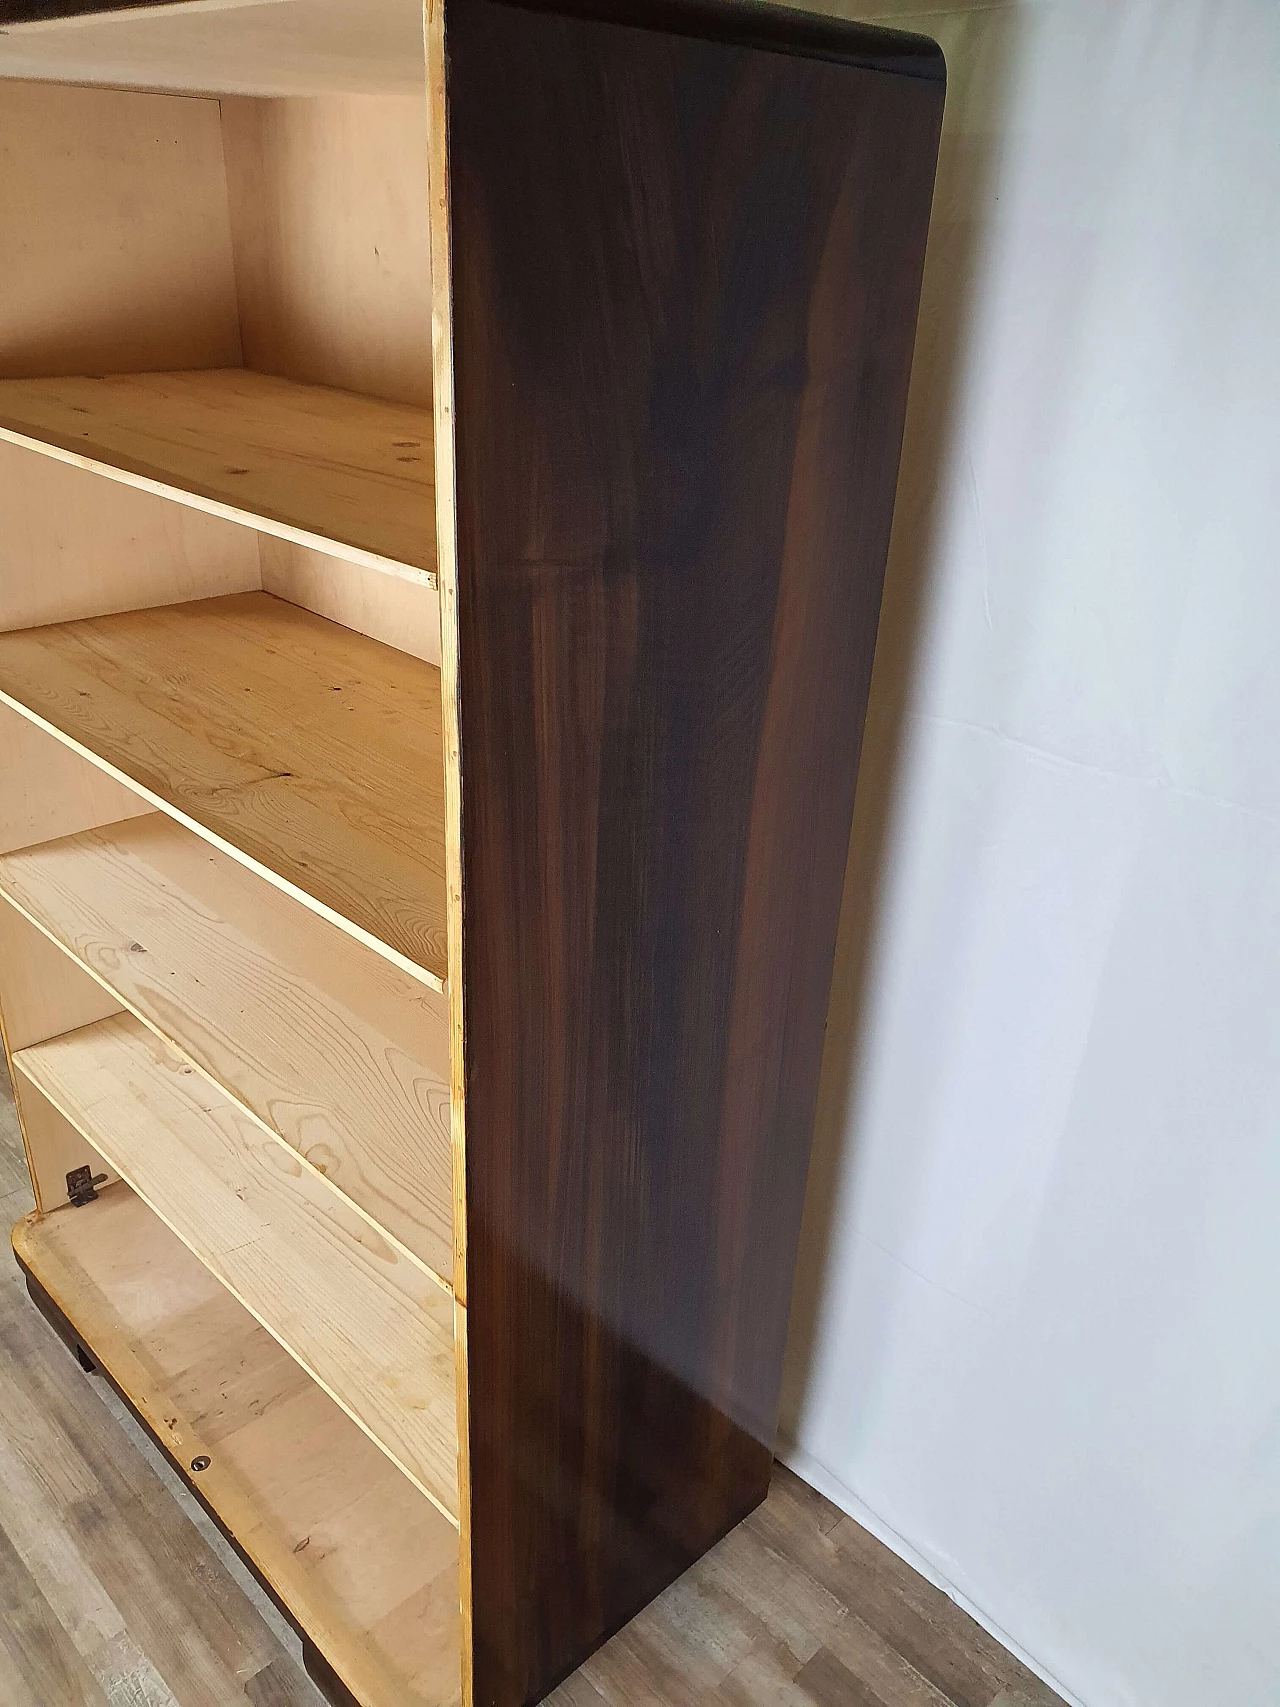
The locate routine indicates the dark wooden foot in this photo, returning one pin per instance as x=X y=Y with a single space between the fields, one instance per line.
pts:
x=325 y=1678
x=318 y=1668
x=59 y=1323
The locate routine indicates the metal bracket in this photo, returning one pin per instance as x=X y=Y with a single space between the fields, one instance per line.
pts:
x=82 y=1186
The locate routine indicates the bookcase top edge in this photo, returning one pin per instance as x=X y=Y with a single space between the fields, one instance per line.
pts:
x=757 y=24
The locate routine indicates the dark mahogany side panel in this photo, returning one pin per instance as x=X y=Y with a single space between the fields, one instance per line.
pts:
x=685 y=283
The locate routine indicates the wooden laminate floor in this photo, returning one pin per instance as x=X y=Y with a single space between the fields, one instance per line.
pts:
x=116 y=1590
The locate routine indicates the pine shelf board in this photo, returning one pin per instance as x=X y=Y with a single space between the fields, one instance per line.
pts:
x=307 y=751
x=304 y=47
x=366 y=1566
x=364 y=1322
x=348 y=475
x=327 y=1045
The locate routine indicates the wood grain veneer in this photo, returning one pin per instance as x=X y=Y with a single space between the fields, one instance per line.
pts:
x=678 y=321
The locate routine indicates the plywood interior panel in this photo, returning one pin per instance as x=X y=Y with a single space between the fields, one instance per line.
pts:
x=309 y=751
x=115 y=245
x=47 y=790
x=75 y=545
x=45 y=993
x=371 y=1327
x=367 y=1566
x=400 y=613
x=323 y=467
x=273 y=47
x=54 y=1147
x=322 y=1041
x=329 y=204
x=42 y=994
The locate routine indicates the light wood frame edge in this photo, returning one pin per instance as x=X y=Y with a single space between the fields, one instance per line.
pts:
x=447 y=572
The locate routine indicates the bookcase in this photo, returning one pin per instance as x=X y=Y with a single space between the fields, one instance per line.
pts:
x=446 y=473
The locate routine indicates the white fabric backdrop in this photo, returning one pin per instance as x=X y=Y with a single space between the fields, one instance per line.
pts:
x=1037 y=1326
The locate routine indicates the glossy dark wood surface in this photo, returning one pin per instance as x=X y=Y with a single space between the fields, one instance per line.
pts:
x=685 y=281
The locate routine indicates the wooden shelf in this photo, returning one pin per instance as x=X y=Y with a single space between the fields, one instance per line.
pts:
x=347 y=474
x=367 y=1568
x=367 y=1324
x=326 y=1044
x=309 y=752
x=313 y=48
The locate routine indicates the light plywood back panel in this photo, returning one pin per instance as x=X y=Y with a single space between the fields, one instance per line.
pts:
x=75 y=545
x=367 y=1324
x=324 y=467
x=385 y=607
x=329 y=201
x=54 y=1148
x=47 y=790
x=366 y=1566
x=287 y=47
x=311 y=753
x=115 y=245
x=46 y=993
x=43 y=994
x=323 y=1042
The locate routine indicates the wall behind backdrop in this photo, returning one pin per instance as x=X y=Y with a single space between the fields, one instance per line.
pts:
x=1036 y=1335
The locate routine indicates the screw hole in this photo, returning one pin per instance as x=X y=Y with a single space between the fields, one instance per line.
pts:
x=201 y=1463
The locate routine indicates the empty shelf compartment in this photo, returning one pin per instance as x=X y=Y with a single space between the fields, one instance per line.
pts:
x=369 y=1325
x=350 y=475
x=324 y=1042
x=309 y=752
